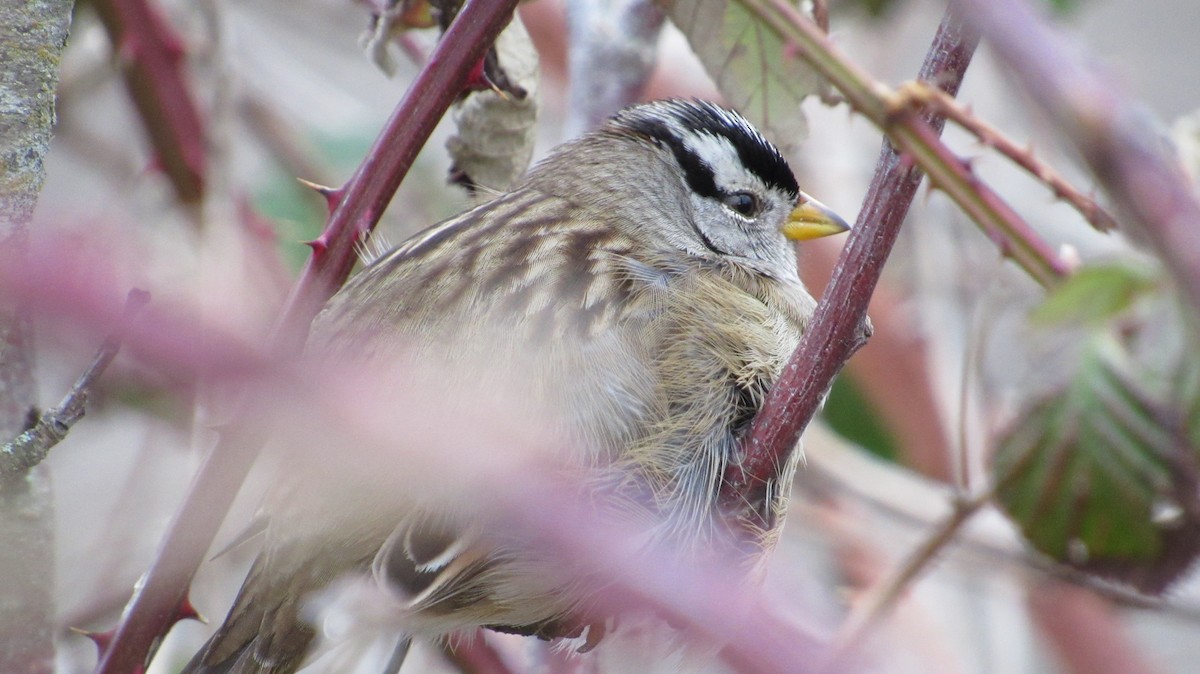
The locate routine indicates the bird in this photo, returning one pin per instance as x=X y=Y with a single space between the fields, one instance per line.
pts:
x=642 y=278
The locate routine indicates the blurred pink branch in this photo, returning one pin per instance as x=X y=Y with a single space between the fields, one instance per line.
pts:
x=1084 y=630
x=528 y=501
x=151 y=55
x=356 y=209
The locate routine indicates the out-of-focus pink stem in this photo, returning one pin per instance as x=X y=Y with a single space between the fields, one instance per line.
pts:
x=155 y=605
x=1084 y=630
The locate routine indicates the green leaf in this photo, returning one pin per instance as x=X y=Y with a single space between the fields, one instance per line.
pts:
x=1096 y=293
x=852 y=416
x=1064 y=7
x=749 y=64
x=1098 y=476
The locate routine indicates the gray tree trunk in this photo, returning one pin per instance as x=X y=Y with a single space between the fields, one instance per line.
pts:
x=32 y=36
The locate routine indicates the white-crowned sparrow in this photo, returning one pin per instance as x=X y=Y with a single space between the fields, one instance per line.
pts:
x=641 y=279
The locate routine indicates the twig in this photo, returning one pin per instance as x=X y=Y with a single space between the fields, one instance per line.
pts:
x=878 y=601
x=150 y=55
x=358 y=207
x=839 y=326
x=1117 y=141
x=923 y=94
x=851 y=479
x=32 y=446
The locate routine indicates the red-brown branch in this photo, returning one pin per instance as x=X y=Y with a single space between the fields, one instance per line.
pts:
x=1114 y=138
x=922 y=94
x=361 y=202
x=839 y=326
x=150 y=55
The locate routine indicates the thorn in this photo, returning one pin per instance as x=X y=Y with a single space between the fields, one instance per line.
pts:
x=187 y=611
x=101 y=639
x=318 y=245
x=477 y=79
x=333 y=195
x=907 y=161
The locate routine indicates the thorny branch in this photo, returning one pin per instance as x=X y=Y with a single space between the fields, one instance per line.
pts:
x=839 y=326
x=1114 y=137
x=356 y=209
x=31 y=447
x=151 y=56
x=359 y=204
x=922 y=94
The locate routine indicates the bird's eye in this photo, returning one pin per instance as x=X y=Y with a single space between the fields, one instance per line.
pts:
x=743 y=203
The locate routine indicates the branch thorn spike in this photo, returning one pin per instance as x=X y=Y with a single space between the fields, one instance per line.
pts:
x=333 y=195
x=478 y=80
x=318 y=245
x=187 y=611
x=101 y=639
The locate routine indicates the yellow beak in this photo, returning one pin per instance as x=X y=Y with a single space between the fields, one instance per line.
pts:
x=812 y=220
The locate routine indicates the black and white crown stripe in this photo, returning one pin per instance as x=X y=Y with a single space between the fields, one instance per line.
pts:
x=693 y=130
